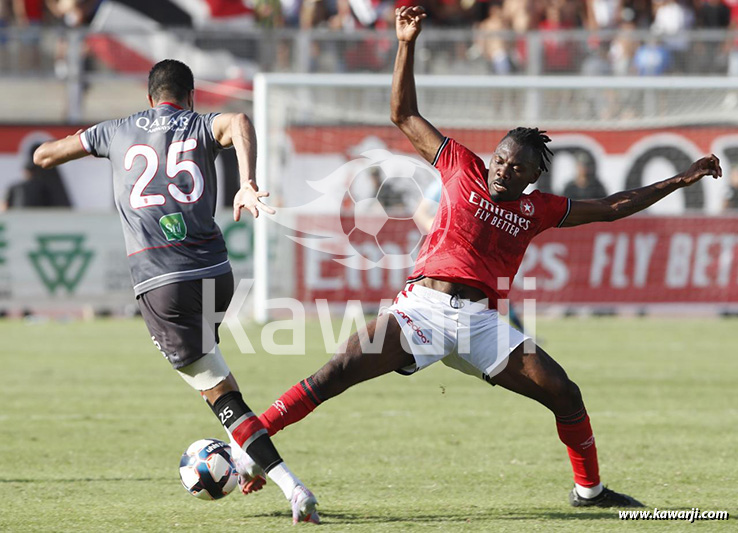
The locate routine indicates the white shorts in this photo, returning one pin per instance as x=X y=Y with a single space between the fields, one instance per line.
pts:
x=464 y=335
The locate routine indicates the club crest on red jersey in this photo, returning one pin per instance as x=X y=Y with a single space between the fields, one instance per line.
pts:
x=526 y=207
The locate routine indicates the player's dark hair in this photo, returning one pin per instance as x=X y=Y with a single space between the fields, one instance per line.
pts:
x=170 y=79
x=535 y=139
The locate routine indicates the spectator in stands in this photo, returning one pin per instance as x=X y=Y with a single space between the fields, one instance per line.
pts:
x=597 y=62
x=72 y=14
x=269 y=13
x=344 y=19
x=450 y=12
x=610 y=14
x=495 y=49
x=730 y=47
x=312 y=13
x=730 y=202
x=709 y=56
x=585 y=185
x=291 y=12
x=4 y=23
x=371 y=54
x=639 y=12
x=733 y=8
x=27 y=16
x=713 y=14
x=38 y=188
x=652 y=58
x=603 y=14
x=671 y=21
x=523 y=15
x=559 y=52
x=624 y=46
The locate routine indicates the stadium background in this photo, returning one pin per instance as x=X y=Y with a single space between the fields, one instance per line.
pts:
x=664 y=97
x=93 y=420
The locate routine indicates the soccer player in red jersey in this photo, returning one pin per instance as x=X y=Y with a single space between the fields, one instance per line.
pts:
x=447 y=311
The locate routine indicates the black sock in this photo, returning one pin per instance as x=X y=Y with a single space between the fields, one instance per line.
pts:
x=246 y=429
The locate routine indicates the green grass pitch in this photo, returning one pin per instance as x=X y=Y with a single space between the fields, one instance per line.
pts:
x=93 y=422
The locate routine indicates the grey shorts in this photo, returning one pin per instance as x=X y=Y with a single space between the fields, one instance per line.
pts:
x=173 y=314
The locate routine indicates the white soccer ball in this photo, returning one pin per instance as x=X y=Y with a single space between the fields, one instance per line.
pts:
x=207 y=470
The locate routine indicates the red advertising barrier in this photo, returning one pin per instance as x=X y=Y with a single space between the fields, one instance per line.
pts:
x=642 y=260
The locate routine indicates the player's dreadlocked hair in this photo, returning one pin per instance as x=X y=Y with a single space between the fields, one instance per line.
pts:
x=534 y=138
x=170 y=79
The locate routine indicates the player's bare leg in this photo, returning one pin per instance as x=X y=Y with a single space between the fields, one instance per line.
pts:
x=349 y=366
x=537 y=376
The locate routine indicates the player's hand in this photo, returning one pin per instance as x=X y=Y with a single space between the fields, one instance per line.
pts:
x=249 y=197
x=407 y=22
x=707 y=166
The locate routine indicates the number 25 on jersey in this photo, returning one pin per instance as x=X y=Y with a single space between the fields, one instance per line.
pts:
x=174 y=167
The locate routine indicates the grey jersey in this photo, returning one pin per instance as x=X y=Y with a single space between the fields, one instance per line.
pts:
x=165 y=190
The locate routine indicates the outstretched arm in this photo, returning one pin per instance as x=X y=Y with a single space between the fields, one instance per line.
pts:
x=235 y=129
x=626 y=203
x=53 y=153
x=404 y=102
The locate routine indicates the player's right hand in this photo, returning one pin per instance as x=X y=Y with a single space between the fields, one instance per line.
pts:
x=249 y=197
x=407 y=22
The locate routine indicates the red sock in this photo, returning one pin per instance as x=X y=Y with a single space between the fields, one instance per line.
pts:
x=291 y=407
x=576 y=432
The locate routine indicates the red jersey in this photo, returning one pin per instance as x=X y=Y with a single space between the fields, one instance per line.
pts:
x=474 y=240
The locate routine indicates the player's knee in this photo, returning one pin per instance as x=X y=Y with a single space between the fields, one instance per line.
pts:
x=567 y=396
x=572 y=392
x=207 y=372
x=331 y=377
x=338 y=374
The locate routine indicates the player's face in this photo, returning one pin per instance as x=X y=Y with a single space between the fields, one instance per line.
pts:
x=513 y=167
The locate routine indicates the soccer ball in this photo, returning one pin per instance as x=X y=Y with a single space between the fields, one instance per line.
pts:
x=206 y=469
x=378 y=212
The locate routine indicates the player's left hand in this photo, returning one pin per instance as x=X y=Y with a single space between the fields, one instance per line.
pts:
x=707 y=166
x=249 y=197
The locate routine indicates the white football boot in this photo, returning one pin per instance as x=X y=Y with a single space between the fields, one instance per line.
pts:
x=303 y=506
x=250 y=475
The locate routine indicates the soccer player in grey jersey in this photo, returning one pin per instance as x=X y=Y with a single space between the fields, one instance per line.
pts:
x=164 y=180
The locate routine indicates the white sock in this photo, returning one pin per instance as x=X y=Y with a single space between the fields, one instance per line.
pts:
x=284 y=478
x=236 y=450
x=589 y=492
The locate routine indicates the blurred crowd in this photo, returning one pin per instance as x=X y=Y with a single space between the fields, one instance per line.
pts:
x=662 y=16
x=30 y=16
x=627 y=37
x=636 y=37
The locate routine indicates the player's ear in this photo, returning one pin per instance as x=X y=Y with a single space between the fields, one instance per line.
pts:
x=536 y=175
x=191 y=100
x=151 y=100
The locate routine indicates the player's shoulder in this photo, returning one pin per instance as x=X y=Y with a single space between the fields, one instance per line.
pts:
x=550 y=209
x=541 y=201
x=538 y=196
x=453 y=152
x=534 y=195
x=453 y=145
